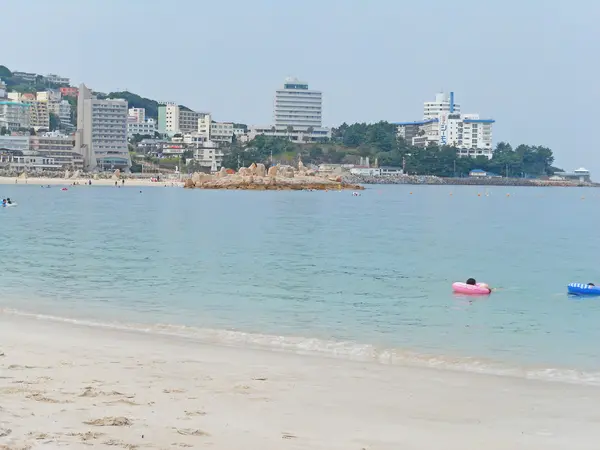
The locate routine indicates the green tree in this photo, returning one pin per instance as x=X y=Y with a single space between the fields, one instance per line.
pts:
x=3 y=131
x=5 y=73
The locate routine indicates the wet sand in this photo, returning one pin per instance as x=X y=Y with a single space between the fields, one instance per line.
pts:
x=64 y=385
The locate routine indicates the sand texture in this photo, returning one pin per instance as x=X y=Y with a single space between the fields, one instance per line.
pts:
x=72 y=386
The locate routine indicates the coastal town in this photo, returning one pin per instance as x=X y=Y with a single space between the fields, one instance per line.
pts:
x=50 y=128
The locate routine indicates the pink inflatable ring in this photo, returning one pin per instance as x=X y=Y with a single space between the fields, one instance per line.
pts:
x=471 y=289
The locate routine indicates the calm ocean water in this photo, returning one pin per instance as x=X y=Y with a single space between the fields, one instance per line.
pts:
x=358 y=277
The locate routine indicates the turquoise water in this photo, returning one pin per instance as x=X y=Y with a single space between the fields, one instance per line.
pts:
x=360 y=277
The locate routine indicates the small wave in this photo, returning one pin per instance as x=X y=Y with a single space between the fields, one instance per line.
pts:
x=337 y=349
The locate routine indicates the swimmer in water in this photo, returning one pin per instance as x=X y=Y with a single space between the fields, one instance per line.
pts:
x=472 y=282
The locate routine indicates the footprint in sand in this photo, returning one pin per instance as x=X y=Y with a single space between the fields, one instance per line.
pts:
x=191 y=432
x=173 y=391
x=87 y=436
x=122 y=401
x=91 y=392
x=109 y=422
x=114 y=442
x=38 y=397
x=288 y=436
x=195 y=413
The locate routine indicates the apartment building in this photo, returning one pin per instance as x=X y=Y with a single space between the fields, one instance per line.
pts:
x=101 y=135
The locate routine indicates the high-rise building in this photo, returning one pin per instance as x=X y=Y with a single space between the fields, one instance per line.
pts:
x=444 y=103
x=39 y=118
x=444 y=125
x=101 y=135
x=297 y=115
x=297 y=106
x=175 y=119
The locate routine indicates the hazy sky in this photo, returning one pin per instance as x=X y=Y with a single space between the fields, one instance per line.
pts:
x=532 y=65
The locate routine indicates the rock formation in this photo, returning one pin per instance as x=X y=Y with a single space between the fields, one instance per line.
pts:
x=255 y=177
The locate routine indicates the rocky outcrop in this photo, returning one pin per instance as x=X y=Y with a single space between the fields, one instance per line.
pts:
x=259 y=170
x=256 y=177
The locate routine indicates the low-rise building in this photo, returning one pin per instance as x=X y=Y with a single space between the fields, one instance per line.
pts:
x=151 y=146
x=50 y=95
x=18 y=143
x=61 y=109
x=145 y=128
x=14 y=115
x=581 y=175
x=69 y=91
x=294 y=134
x=56 y=79
x=137 y=115
x=209 y=155
x=45 y=152
x=174 y=119
x=58 y=147
x=25 y=76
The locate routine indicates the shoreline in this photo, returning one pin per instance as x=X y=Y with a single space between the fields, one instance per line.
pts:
x=126 y=388
x=129 y=182
x=336 y=350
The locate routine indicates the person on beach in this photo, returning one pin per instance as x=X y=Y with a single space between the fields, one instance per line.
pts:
x=3 y=202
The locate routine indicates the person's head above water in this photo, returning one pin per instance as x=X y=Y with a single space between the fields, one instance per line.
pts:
x=471 y=281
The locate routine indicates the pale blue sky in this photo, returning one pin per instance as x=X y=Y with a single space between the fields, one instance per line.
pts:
x=531 y=65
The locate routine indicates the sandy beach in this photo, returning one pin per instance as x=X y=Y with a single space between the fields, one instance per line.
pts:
x=64 y=385
x=129 y=182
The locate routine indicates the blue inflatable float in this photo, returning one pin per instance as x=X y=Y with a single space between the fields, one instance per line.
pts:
x=583 y=289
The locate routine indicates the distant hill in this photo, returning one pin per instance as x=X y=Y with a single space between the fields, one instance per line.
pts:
x=136 y=101
x=14 y=84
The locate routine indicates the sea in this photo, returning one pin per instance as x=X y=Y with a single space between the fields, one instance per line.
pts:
x=358 y=277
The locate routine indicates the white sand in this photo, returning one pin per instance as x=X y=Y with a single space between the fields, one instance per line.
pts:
x=129 y=182
x=169 y=392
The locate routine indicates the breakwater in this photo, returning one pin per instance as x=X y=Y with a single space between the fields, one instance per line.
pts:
x=433 y=180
